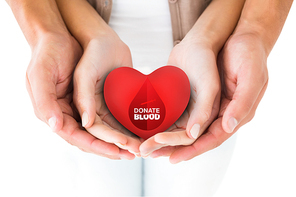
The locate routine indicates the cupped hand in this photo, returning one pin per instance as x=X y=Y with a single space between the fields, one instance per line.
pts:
x=49 y=76
x=199 y=63
x=49 y=83
x=243 y=71
x=101 y=56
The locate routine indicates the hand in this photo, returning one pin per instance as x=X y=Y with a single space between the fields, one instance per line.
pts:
x=49 y=83
x=244 y=75
x=49 y=76
x=199 y=63
x=101 y=56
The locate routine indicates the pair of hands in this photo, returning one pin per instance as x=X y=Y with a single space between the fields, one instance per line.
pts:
x=225 y=92
x=216 y=109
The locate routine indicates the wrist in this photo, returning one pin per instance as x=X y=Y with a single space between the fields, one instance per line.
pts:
x=86 y=25
x=216 y=24
x=96 y=35
x=51 y=38
x=258 y=32
x=38 y=19
x=202 y=40
x=264 y=22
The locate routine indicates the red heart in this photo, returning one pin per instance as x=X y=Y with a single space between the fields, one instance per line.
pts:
x=147 y=104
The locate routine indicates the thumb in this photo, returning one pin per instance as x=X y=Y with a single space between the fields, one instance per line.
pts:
x=243 y=101
x=84 y=94
x=202 y=112
x=42 y=91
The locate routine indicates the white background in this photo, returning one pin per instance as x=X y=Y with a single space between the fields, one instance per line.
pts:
x=264 y=159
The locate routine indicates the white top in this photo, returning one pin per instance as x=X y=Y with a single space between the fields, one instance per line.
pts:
x=145 y=26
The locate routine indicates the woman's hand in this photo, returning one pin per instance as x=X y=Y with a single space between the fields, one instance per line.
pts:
x=101 y=56
x=103 y=51
x=49 y=83
x=199 y=63
x=196 y=55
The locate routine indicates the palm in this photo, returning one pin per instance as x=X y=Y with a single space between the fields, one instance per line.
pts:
x=50 y=71
x=243 y=73
x=200 y=67
x=99 y=58
x=199 y=64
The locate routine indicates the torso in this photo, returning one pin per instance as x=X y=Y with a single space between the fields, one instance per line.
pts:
x=145 y=26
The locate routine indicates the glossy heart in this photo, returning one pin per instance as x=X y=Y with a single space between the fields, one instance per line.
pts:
x=147 y=104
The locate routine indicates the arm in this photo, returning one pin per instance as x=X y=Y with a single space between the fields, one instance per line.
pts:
x=55 y=54
x=265 y=19
x=103 y=52
x=243 y=69
x=196 y=55
x=216 y=24
x=83 y=21
x=37 y=19
x=256 y=33
x=41 y=23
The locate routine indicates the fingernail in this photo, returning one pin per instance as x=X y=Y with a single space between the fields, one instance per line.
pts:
x=146 y=155
x=175 y=161
x=52 y=122
x=84 y=119
x=136 y=154
x=123 y=158
x=195 y=130
x=154 y=156
x=232 y=123
x=120 y=145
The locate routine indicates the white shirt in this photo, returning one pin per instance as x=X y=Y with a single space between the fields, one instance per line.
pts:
x=145 y=26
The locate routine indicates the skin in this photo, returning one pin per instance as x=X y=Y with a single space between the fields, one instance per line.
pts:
x=196 y=55
x=241 y=63
x=202 y=42
x=243 y=72
x=97 y=38
x=55 y=54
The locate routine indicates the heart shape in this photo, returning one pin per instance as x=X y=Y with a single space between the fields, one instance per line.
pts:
x=147 y=104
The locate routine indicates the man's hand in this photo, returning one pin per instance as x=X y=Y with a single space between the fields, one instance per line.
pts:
x=244 y=78
x=49 y=76
x=49 y=83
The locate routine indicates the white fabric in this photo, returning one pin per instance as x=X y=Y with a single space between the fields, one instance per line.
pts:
x=40 y=163
x=145 y=26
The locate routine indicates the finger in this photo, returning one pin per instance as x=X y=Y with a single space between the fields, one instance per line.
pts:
x=213 y=138
x=247 y=91
x=42 y=90
x=148 y=146
x=124 y=154
x=173 y=138
x=165 y=139
x=84 y=92
x=202 y=114
x=133 y=142
x=250 y=116
x=84 y=140
x=163 y=152
x=132 y=146
x=106 y=133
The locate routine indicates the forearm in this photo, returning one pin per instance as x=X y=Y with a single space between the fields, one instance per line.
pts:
x=83 y=21
x=37 y=18
x=265 y=19
x=216 y=23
